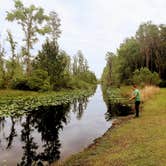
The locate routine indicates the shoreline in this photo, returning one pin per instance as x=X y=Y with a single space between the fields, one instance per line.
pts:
x=119 y=146
x=115 y=123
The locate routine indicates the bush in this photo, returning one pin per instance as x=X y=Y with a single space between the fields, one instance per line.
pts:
x=20 y=84
x=162 y=84
x=39 y=81
x=145 y=76
x=63 y=82
x=76 y=83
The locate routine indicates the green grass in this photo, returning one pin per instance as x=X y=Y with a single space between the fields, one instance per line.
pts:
x=136 y=142
x=15 y=93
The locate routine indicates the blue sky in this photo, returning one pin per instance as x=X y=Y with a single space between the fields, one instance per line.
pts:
x=93 y=26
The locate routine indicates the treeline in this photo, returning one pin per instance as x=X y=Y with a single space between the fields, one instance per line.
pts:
x=140 y=59
x=51 y=68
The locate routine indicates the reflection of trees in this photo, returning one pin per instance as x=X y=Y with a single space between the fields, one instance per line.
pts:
x=117 y=109
x=112 y=111
x=2 y=123
x=79 y=106
x=12 y=134
x=48 y=121
x=30 y=146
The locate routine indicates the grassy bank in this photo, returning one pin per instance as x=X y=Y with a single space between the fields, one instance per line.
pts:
x=136 y=142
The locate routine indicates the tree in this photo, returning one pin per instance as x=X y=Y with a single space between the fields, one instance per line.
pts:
x=75 y=65
x=2 y=71
x=148 y=37
x=129 y=59
x=13 y=56
x=31 y=20
x=51 y=60
x=161 y=52
x=54 y=24
x=146 y=77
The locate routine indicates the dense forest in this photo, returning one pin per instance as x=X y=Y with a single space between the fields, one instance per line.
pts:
x=51 y=68
x=141 y=59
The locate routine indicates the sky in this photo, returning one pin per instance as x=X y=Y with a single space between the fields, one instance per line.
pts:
x=93 y=26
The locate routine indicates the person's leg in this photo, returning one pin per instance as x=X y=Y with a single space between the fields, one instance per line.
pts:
x=137 y=103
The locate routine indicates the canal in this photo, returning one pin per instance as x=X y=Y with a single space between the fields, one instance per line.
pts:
x=54 y=132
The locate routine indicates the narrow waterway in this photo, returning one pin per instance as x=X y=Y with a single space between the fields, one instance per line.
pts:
x=53 y=132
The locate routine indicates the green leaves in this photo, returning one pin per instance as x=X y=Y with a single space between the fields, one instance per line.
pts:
x=145 y=76
x=32 y=20
x=12 y=106
x=18 y=4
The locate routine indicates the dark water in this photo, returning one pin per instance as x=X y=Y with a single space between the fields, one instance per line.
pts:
x=54 y=132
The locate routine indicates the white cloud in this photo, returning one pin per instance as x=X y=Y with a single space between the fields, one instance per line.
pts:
x=96 y=26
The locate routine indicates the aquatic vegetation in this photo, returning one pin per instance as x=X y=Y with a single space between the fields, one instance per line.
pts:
x=18 y=105
x=117 y=103
x=115 y=96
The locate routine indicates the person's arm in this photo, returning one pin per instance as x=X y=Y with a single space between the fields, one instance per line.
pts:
x=133 y=97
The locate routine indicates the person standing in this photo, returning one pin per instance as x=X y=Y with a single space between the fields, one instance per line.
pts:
x=136 y=97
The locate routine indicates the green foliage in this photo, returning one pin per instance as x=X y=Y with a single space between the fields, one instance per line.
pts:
x=39 y=80
x=145 y=76
x=14 y=70
x=2 y=71
x=54 y=24
x=129 y=59
x=77 y=83
x=12 y=105
x=32 y=21
x=20 y=83
x=51 y=60
x=162 y=84
x=51 y=68
x=80 y=70
x=111 y=75
x=145 y=50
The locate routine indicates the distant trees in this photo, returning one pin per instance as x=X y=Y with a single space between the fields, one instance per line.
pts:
x=51 y=68
x=146 y=51
x=80 y=69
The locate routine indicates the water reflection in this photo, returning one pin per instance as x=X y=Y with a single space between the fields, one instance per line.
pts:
x=12 y=134
x=114 y=109
x=46 y=122
x=117 y=109
x=79 y=106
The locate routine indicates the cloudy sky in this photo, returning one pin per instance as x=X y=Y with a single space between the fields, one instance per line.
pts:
x=93 y=26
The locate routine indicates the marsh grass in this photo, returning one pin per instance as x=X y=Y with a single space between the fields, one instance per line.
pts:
x=148 y=91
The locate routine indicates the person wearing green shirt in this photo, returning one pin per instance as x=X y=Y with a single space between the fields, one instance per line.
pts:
x=136 y=97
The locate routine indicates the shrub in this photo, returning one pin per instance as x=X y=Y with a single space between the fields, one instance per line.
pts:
x=39 y=80
x=1 y=83
x=20 y=83
x=162 y=84
x=145 y=77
